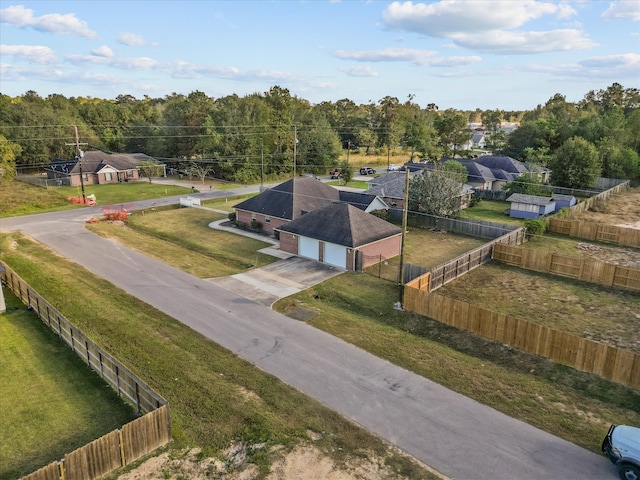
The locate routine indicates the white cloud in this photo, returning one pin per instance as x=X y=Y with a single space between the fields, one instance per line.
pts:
x=32 y=53
x=516 y=43
x=488 y=26
x=419 y=57
x=359 y=71
x=133 y=40
x=623 y=9
x=55 y=23
x=102 y=51
x=423 y=58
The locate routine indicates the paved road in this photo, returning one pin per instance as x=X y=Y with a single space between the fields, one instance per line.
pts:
x=453 y=434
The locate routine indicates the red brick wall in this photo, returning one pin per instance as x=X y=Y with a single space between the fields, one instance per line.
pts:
x=388 y=248
x=245 y=217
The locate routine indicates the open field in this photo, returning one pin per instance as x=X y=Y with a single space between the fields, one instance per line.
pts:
x=19 y=198
x=606 y=315
x=49 y=408
x=217 y=400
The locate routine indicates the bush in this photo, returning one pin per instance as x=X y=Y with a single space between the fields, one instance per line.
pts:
x=535 y=227
x=232 y=217
x=256 y=225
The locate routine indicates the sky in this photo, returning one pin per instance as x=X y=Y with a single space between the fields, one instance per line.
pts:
x=461 y=54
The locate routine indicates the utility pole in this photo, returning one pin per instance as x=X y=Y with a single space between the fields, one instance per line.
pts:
x=404 y=232
x=295 y=148
x=79 y=155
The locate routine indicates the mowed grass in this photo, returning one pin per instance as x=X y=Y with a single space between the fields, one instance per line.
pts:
x=51 y=401
x=491 y=211
x=181 y=237
x=583 y=309
x=216 y=399
x=19 y=198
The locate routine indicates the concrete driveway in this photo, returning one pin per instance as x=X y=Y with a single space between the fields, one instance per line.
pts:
x=270 y=283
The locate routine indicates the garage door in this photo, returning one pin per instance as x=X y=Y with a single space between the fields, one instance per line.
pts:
x=308 y=247
x=335 y=255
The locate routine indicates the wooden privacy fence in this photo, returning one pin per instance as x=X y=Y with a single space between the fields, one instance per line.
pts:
x=119 y=377
x=453 y=269
x=629 y=237
x=621 y=366
x=618 y=187
x=111 y=451
x=120 y=447
x=580 y=268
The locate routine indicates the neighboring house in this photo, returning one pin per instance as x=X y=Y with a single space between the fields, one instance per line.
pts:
x=530 y=206
x=97 y=167
x=563 y=201
x=290 y=200
x=478 y=140
x=341 y=235
x=478 y=176
x=390 y=187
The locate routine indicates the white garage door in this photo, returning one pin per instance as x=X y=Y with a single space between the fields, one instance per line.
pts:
x=335 y=255
x=308 y=247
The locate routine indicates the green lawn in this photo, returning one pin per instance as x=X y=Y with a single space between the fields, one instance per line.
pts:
x=215 y=398
x=491 y=211
x=51 y=401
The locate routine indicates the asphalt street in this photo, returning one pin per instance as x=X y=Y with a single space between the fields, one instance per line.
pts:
x=453 y=434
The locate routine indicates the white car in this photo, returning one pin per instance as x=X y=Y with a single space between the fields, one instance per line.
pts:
x=622 y=447
x=393 y=167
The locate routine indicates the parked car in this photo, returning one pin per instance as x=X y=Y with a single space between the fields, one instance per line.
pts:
x=367 y=171
x=393 y=167
x=622 y=447
x=335 y=174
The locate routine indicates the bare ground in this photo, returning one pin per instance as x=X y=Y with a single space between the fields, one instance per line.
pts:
x=622 y=210
x=306 y=462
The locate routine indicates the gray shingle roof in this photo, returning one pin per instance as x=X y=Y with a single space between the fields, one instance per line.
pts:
x=342 y=224
x=291 y=199
x=95 y=160
x=529 y=199
x=507 y=164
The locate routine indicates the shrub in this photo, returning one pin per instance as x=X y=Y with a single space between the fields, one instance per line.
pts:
x=232 y=217
x=256 y=225
x=535 y=227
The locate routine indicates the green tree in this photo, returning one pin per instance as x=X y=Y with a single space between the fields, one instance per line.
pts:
x=9 y=151
x=453 y=131
x=435 y=192
x=528 y=183
x=576 y=164
x=150 y=169
x=457 y=170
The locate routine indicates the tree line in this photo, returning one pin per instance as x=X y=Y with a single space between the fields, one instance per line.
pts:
x=244 y=138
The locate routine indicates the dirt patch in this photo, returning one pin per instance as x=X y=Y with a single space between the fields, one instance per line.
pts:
x=305 y=462
x=622 y=210
x=597 y=313
x=302 y=314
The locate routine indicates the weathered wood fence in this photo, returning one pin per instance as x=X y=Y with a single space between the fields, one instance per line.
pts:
x=442 y=274
x=111 y=451
x=629 y=237
x=120 y=447
x=621 y=366
x=580 y=268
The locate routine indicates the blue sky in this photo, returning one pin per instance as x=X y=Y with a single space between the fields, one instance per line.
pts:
x=463 y=54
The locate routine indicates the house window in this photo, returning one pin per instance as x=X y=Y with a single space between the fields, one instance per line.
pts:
x=85 y=177
x=107 y=176
x=129 y=173
x=267 y=220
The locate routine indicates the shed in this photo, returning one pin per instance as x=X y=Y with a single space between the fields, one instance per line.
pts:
x=563 y=201
x=355 y=239
x=530 y=206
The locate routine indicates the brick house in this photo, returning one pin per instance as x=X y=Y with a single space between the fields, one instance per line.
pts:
x=341 y=235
